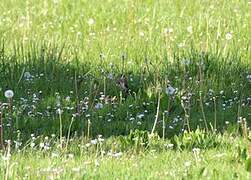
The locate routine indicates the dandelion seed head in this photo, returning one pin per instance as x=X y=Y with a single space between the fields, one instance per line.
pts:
x=9 y=94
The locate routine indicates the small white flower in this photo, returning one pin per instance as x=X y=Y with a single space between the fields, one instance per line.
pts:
x=229 y=36
x=139 y=123
x=140 y=115
x=187 y=163
x=27 y=75
x=110 y=76
x=94 y=141
x=59 y=111
x=131 y=119
x=186 y=62
x=68 y=99
x=141 y=33
x=99 y=106
x=100 y=139
x=170 y=90
x=190 y=29
x=88 y=145
x=196 y=150
x=181 y=45
x=97 y=163
x=168 y=30
x=32 y=145
x=77 y=169
x=71 y=156
x=9 y=94
x=117 y=154
x=249 y=78
x=169 y=146
x=90 y=21
x=41 y=145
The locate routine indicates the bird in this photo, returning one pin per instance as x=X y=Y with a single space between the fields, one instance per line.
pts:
x=123 y=84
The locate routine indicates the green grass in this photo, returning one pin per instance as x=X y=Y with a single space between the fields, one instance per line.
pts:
x=105 y=160
x=69 y=56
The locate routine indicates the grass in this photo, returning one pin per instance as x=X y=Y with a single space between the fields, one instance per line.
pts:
x=80 y=69
x=107 y=160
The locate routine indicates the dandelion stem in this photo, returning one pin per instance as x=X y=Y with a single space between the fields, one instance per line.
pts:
x=60 y=129
x=157 y=114
x=1 y=131
x=88 y=128
x=164 y=126
x=69 y=132
x=203 y=112
x=215 y=114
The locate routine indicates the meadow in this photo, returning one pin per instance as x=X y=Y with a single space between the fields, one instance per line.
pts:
x=125 y=89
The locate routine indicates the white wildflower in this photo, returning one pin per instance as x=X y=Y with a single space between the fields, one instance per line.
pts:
x=41 y=145
x=168 y=30
x=190 y=29
x=90 y=21
x=170 y=146
x=140 y=115
x=27 y=75
x=99 y=106
x=170 y=90
x=141 y=33
x=110 y=76
x=59 y=111
x=71 y=156
x=117 y=154
x=249 y=78
x=32 y=145
x=229 y=36
x=187 y=163
x=94 y=141
x=68 y=99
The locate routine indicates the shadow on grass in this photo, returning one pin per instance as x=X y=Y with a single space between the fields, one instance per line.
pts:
x=93 y=101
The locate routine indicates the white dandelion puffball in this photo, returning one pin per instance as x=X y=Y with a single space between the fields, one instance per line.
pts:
x=9 y=94
x=27 y=75
x=170 y=90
